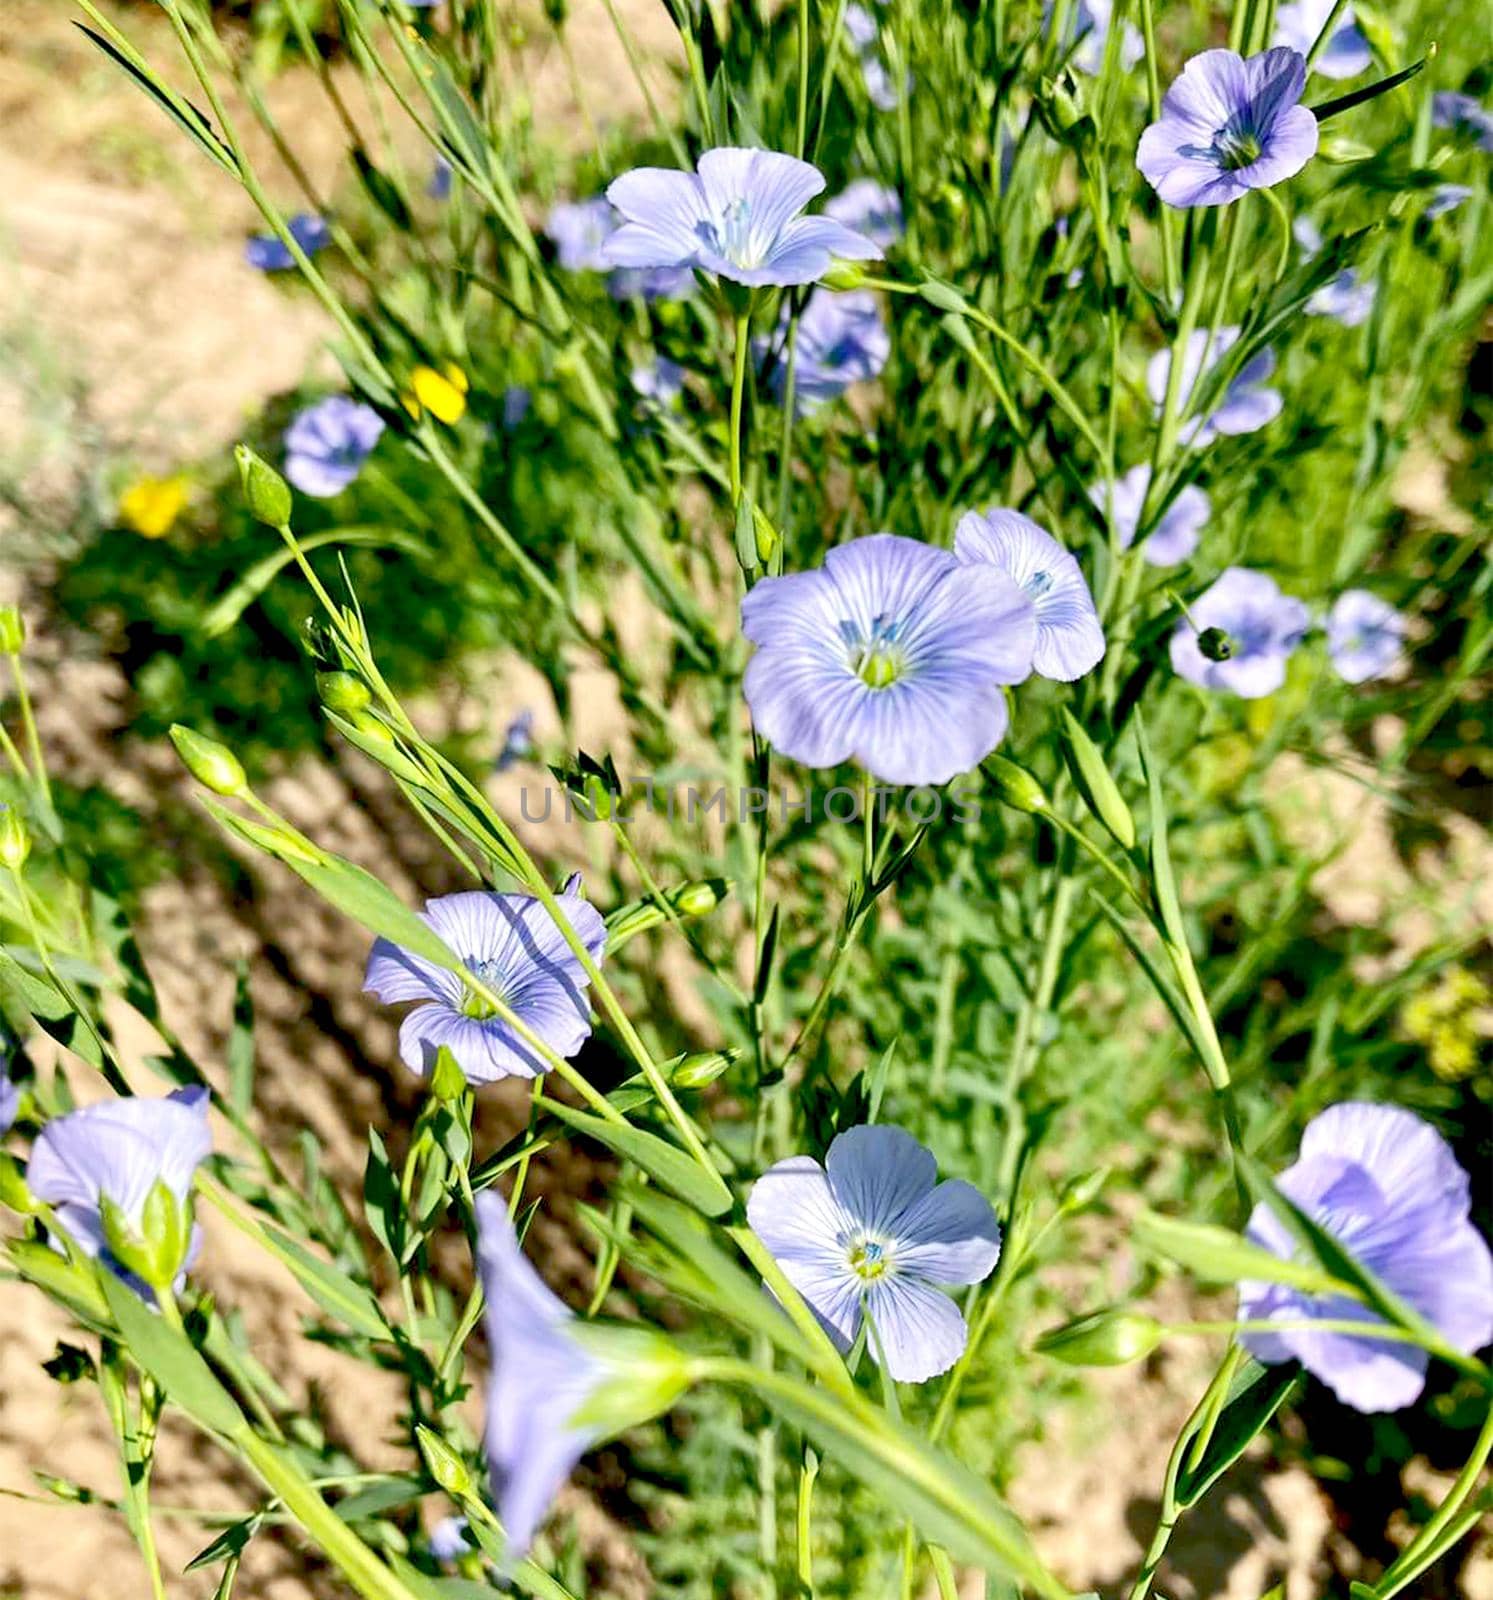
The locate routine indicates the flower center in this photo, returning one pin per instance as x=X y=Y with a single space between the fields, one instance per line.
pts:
x=1038 y=584
x=474 y=1005
x=733 y=233
x=868 y=1260
x=1236 y=147
x=877 y=658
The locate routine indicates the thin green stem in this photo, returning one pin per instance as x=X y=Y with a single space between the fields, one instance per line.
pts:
x=738 y=392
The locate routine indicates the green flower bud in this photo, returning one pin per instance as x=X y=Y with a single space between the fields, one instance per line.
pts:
x=444 y=1465
x=448 y=1082
x=703 y=1066
x=1109 y=1338
x=845 y=275
x=265 y=492
x=1015 y=785
x=212 y=764
x=12 y=630
x=700 y=898
x=1095 y=784
x=157 y=1250
x=15 y=839
x=1083 y=1190
x=1215 y=645
x=342 y=692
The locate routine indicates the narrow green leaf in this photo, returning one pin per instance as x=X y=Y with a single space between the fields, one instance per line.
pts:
x=340 y=1296
x=1220 y=1255
x=1092 y=775
x=240 y=1052
x=186 y=116
x=1254 y=1397
x=666 y=1163
x=167 y=1355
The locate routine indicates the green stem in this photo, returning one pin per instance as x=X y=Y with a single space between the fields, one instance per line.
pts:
x=29 y=729
x=807 y=1472
x=738 y=393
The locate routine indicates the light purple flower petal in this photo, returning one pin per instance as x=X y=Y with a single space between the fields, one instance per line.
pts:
x=841 y=340
x=877 y=1172
x=737 y=217
x=1263 y=625
x=541 y=1377
x=891 y=655
x=1070 y=639
x=10 y=1100
x=579 y=230
x=1388 y=1187
x=1089 y=24
x=511 y=942
x=949 y=1235
x=120 y=1150
x=1228 y=126
x=1345 y=299
x=326 y=444
x=1464 y=114
x=921 y=1331
x=1365 y=636
x=1447 y=197
x=870 y=209
x=1347 y=52
x=449 y=1539
x=873 y=1228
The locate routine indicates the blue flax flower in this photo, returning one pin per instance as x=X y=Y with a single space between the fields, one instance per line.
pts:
x=1463 y=113
x=870 y=1233
x=736 y=216
x=1346 y=299
x=579 y=229
x=1263 y=627
x=841 y=340
x=1245 y=406
x=661 y=381
x=1365 y=636
x=1447 y=197
x=542 y=1375
x=1088 y=24
x=869 y=208
x=118 y=1151
x=1346 y=53
x=10 y=1100
x=518 y=741
x=1388 y=1188
x=438 y=186
x=1070 y=640
x=513 y=945
x=1228 y=126
x=891 y=654
x=270 y=253
x=327 y=444
x=1175 y=536
x=449 y=1539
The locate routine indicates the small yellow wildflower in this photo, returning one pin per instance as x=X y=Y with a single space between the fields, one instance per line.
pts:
x=151 y=505
x=443 y=394
x=1450 y=1018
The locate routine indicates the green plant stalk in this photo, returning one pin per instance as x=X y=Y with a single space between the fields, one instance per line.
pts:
x=1414 y=1558
x=1319 y=44
x=804 y=1523
x=366 y=354
x=30 y=732
x=852 y=1413
x=1170 y=1512
x=740 y=352
x=1153 y=104
x=136 y=1441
